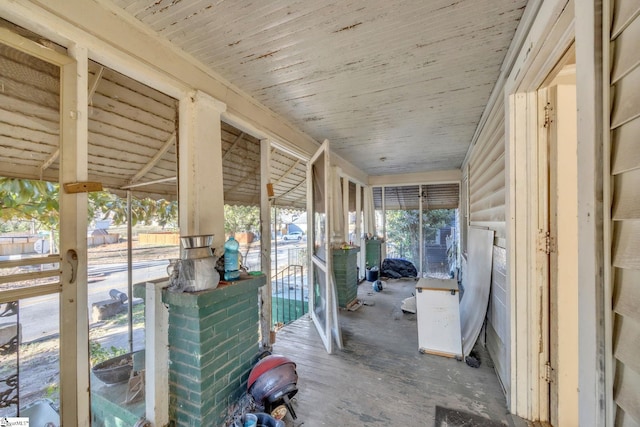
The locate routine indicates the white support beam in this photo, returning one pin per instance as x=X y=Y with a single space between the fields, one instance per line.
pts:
x=74 y=317
x=265 y=242
x=154 y=160
x=345 y=207
x=200 y=189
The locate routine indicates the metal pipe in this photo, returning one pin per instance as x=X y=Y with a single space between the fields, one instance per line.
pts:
x=142 y=184
x=130 y=270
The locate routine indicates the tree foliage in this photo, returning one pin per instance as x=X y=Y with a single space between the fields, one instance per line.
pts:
x=37 y=201
x=403 y=229
x=238 y=219
x=31 y=200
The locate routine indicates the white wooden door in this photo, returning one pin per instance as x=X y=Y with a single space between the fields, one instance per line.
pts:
x=323 y=302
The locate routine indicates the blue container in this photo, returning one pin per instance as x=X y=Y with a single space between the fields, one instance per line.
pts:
x=231 y=259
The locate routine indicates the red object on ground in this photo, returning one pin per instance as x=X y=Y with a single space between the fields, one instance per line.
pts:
x=273 y=379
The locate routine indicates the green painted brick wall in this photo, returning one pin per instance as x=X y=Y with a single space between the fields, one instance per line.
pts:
x=345 y=271
x=213 y=345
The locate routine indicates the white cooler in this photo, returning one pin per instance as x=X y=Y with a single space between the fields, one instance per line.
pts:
x=438 y=313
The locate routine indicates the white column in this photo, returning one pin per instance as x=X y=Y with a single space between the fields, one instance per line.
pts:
x=74 y=317
x=345 y=207
x=156 y=324
x=358 y=231
x=200 y=190
x=265 y=241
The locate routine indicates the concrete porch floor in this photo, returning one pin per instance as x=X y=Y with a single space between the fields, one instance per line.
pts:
x=381 y=379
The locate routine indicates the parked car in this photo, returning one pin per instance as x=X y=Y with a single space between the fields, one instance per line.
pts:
x=293 y=235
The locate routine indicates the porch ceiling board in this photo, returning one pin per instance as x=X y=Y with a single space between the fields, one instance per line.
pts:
x=403 y=80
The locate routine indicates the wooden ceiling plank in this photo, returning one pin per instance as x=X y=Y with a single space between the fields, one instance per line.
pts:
x=152 y=162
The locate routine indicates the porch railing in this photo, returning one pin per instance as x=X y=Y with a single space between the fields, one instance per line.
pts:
x=289 y=296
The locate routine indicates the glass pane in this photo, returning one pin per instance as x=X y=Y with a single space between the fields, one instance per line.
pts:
x=402 y=218
x=439 y=228
x=379 y=216
x=319 y=296
x=320 y=236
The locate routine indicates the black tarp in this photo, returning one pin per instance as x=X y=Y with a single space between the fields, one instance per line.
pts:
x=397 y=268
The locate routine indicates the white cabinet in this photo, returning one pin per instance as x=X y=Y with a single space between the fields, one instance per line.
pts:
x=437 y=309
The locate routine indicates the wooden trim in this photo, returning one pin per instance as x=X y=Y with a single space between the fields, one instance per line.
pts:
x=607 y=197
x=30 y=292
x=51 y=259
x=29 y=276
x=32 y=48
x=435 y=177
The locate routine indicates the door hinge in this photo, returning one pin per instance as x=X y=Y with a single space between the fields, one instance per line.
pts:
x=545 y=242
x=547 y=115
x=548 y=373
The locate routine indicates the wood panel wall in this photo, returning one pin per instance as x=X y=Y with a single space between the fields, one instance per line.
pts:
x=625 y=169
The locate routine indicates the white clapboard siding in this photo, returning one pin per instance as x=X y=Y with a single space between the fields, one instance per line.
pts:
x=625 y=166
x=487 y=193
x=487 y=176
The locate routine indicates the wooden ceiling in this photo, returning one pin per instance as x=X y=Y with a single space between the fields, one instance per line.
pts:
x=396 y=86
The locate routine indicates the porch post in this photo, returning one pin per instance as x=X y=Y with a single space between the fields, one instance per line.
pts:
x=265 y=241
x=200 y=189
x=74 y=317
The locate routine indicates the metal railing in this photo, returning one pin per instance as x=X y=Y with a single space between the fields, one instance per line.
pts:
x=289 y=295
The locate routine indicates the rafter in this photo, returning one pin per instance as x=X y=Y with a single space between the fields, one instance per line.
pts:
x=292 y=189
x=284 y=175
x=152 y=162
x=228 y=152
x=49 y=161
x=245 y=178
x=93 y=83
